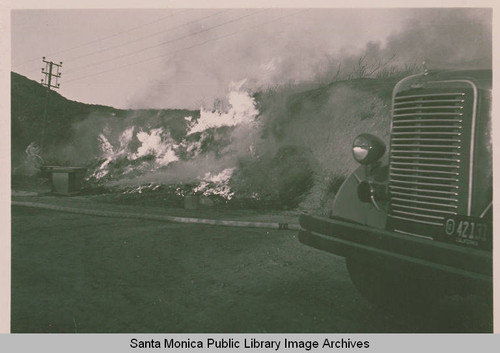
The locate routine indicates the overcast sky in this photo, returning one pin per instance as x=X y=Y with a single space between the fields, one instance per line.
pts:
x=184 y=58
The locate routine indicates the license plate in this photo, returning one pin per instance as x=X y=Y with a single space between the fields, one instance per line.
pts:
x=467 y=230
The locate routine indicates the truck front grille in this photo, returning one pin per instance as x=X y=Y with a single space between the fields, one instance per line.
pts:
x=429 y=153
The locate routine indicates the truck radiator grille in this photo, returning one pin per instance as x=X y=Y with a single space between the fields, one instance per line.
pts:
x=427 y=149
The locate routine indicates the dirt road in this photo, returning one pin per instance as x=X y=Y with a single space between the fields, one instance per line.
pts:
x=77 y=273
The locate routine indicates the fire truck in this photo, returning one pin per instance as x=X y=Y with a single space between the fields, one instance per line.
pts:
x=414 y=220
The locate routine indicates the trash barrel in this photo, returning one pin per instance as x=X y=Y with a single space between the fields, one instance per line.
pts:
x=65 y=180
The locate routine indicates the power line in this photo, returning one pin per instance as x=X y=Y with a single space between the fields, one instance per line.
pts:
x=187 y=48
x=168 y=42
x=116 y=34
x=102 y=38
x=148 y=36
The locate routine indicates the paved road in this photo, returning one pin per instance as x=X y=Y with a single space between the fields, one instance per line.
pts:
x=77 y=273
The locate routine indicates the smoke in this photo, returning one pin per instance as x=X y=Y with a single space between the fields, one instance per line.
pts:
x=269 y=131
x=30 y=162
x=141 y=150
x=443 y=38
x=318 y=46
x=455 y=36
x=181 y=172
x=241 y=111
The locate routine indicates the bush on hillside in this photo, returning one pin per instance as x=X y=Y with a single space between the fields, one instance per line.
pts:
x=281 y=180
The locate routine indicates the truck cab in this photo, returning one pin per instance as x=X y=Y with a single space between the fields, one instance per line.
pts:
x=417 y=214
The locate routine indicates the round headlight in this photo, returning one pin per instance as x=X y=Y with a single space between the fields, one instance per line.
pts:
x=367 y=148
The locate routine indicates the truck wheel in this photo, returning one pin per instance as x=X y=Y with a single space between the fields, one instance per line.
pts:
x=390 y=289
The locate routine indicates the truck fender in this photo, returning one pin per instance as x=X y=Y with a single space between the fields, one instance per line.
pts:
x=347 y=205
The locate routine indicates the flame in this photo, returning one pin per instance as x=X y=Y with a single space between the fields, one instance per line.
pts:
x=109 y=153
x=216 y=184
x=144 y=157
x=242 y=111
x=163 y=148
x=154 y=142
x=222 y=177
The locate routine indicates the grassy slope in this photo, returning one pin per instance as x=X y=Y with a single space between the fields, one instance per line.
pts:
x=28 y=103
x=324 y=122
x=320 y=123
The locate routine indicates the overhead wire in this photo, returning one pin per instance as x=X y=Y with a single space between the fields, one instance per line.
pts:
x=102 y=38
x=145 y=37
x=123 y=44
x=79 y=68
x=186 y=48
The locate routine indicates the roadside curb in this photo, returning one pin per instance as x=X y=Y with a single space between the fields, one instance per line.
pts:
x=215 y=222
x=17 y=193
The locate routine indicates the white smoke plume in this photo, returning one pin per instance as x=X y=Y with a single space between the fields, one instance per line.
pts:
x=144 y=149
x=242 y=112
x=151 y=156
x=301 y=51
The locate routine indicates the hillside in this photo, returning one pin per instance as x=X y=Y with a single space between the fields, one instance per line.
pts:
x=324 y=122
x=27 y=110
x=285 y=147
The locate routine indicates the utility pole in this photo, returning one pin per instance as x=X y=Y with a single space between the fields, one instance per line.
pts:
x=52 y=74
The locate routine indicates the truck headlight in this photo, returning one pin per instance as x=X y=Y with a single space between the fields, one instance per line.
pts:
x=367 y=148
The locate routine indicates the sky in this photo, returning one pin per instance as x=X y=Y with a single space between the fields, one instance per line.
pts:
x=188 y=58
x=185 y=58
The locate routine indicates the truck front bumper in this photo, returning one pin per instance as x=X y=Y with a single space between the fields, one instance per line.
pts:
x=347 y=239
